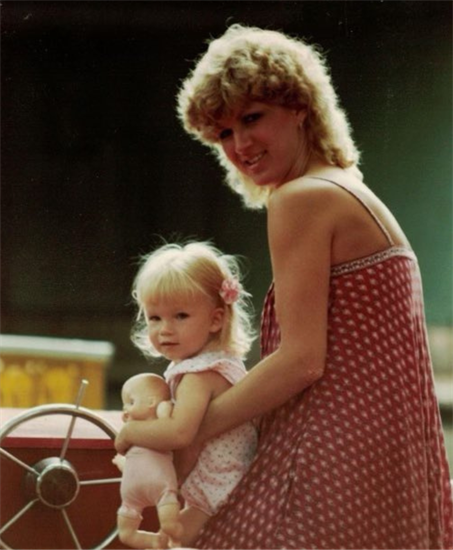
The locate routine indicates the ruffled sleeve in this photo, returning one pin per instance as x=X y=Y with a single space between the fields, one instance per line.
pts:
x=230 y=367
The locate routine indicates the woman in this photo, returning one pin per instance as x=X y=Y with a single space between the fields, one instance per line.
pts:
x=351 y=451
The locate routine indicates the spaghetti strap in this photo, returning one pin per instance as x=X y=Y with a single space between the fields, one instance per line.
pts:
x=362 y=202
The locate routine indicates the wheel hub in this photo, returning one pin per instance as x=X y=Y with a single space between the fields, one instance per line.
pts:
x=55 y=482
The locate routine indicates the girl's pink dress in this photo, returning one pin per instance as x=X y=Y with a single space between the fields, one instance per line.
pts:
x=357 y=460
x=224 y=459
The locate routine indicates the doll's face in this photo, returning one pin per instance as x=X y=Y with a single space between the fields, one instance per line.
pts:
x=139 y=403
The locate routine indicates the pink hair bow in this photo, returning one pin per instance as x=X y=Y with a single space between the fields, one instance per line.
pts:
x=230 y=290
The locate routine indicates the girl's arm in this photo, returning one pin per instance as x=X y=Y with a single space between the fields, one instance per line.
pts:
x=300 y=226
x=193 y=395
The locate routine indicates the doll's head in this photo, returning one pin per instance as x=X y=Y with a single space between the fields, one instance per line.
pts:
x=141 y=394
x=184 y=283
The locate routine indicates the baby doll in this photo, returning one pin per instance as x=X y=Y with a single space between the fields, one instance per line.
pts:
x=149 y=477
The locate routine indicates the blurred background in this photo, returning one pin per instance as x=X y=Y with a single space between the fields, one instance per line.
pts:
x=96 y=168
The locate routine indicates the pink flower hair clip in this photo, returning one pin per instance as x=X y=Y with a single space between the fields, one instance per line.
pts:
x=230 y=290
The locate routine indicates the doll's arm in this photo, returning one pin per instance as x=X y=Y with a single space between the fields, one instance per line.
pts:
x=119 y=461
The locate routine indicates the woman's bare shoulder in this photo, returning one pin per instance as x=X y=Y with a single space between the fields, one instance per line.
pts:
x=303 y=193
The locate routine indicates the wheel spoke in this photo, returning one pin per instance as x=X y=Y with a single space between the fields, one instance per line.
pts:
x=100 y=481
x=17 y=516
x=82 y=388
x=71 y=529
x=17 y=461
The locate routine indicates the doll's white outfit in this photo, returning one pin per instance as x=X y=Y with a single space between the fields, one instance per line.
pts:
x=149 y=479
x=224 y=459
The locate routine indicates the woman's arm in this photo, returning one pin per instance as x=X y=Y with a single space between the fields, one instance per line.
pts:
x=300 y=225
x=178 y=430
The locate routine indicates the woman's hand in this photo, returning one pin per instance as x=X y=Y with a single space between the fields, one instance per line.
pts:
x=185 y=460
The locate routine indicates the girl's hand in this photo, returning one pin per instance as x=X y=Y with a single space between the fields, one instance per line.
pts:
x=121 y=442
x=164 y=409
x=185 y=460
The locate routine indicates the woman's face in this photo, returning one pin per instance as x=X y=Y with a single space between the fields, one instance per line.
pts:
x=265 y=142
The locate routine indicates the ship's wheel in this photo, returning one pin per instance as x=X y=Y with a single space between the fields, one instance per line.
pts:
x=56 y=490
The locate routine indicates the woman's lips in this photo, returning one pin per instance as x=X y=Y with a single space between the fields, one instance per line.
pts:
x=254 y=160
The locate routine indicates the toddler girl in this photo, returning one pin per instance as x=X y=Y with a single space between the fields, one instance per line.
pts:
x=193 y=311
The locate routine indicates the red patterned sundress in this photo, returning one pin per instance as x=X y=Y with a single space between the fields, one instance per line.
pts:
x=357 y=460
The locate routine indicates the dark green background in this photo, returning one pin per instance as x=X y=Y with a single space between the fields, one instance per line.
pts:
x=95 y=166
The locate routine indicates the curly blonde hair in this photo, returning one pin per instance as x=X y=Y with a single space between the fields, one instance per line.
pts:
x=176 y=271
x=252 y=64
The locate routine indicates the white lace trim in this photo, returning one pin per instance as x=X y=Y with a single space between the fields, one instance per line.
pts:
x=374 y=259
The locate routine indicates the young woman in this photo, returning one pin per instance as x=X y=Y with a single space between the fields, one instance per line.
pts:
x=351 y=451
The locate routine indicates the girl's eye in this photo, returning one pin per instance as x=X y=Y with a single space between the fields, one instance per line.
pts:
x=182 y=315
x=224 y=134
x=153 y=318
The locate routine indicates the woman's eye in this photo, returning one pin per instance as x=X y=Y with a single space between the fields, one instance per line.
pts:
x=224 y=134
x=251 y=117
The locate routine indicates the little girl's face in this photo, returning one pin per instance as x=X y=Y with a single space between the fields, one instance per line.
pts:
x=183 y=328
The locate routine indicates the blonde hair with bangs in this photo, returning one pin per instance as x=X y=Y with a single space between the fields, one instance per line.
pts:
x=252 y=64
x=181 y=271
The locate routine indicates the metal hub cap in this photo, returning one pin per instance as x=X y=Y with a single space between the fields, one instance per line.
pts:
x=55 y=484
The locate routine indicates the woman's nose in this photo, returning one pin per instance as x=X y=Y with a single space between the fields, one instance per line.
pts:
x=242 y=140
